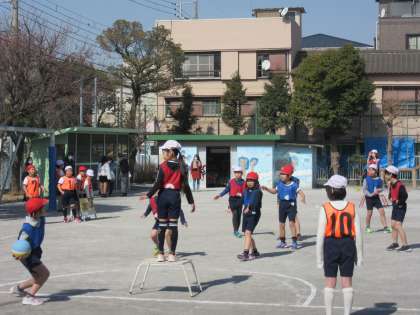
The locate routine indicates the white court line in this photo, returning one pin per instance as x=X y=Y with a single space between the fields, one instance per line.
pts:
x=212 y=302
x=307 y=283
x=66 y=276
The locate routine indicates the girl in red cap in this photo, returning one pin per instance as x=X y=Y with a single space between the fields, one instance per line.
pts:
x=251 y=216
x=287 y=192
x=32 y=184
x=33 y=231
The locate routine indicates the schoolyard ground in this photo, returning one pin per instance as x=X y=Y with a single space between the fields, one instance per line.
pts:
x=93 y=263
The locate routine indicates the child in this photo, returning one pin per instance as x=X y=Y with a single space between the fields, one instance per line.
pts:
x=287 y=191
x=67 y=186
x=153 y=208
x=85 y=192
x=172 y=177
x=372 y=187
x=235 y=188
x=32 y=184
x=297 y=221
x=339 y=242
x=398 y=195
x=33 y=231
x=252 y=213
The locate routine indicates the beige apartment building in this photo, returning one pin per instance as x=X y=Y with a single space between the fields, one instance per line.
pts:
x=215 y=49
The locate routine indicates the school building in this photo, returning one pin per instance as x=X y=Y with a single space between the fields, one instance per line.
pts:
x=270 y=43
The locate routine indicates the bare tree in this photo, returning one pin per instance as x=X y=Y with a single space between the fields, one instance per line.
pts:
x=37 y=85
x=391 y=111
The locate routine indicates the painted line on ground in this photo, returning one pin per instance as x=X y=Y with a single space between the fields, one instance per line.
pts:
x=213 y=302
x=67 y=275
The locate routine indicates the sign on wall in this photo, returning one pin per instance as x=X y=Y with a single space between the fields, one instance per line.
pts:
x=300 y=157
x=257 y=159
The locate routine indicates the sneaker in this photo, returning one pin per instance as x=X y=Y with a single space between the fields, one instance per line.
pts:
x=31 y=300
x=160 y=258
x=171 y=258
x=282 y=245
x=66 y=220
x=243 y=257
x=392 y=247
x=299 y=237
x=388 y=230
x=16 y=291
x=256 y=254
x=155 y=251
x=295 y=246
x=369 y=230
x=77 y=220
x=237 y=234
x=404 y=249
x=251 y=257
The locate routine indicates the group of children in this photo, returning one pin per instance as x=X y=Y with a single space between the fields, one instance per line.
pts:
x=339 y=234
x=76 y=194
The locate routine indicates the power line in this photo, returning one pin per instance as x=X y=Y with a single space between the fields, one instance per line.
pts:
x=67 y=16
x=76 y=13
x=160 y=4
x=152 y=8
x=76 y=36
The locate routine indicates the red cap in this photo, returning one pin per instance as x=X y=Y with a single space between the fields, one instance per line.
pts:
x=287 y=169
x=82 y=168
x=252 y=176
x=35 y=204
x=29 y=167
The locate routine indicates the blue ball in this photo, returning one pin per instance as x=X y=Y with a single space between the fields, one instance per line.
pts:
x=21 y=248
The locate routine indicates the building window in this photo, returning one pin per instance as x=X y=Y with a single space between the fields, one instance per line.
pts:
x=406 y=99
x=413 y=42
x=211 y=107
x=203 y=65
x=277 y=62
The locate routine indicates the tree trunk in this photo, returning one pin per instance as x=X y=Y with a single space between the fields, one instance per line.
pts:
x=389 y=134
x=335 y=157
x=15 y=184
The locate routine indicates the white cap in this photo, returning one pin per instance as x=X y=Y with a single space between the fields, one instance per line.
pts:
x=90 y=173
x=337 y=181
x=392 y=169
x=374 y=151
x=374 y=166
x=237 y=169
x=68 y=167
x=171 y=144
x=59 y=162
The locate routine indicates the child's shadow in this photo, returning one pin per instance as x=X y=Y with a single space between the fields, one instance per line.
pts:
x=66 y=295
x=379 y=309
x=274 y=254
x=414 y=246
x=184 y=254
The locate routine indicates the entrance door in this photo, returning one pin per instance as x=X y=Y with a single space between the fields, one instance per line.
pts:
x=217 y=166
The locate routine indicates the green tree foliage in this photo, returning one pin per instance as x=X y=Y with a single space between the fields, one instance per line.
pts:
x=151 y=60
x=233 y=99
x=184 y=114
x=274 y=104
x=331 y=89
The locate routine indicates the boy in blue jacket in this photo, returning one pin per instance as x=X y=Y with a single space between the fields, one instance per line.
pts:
x=33 y=231
x=252 y=201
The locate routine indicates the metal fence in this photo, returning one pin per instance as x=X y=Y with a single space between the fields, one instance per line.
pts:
x=354 y=173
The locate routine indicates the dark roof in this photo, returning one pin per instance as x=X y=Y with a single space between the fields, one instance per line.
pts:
x=324 y=41
x=392 y=62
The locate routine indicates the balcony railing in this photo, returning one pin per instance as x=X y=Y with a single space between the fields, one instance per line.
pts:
x=212 y=74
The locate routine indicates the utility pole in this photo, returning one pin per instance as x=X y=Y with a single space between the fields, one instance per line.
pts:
x=81 y=104
x=179 y=9
x=95 y=104
x=15 y=16
x=121 y=104
x=195 y=9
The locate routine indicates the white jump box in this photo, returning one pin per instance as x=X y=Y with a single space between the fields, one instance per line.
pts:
x=180 y=264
